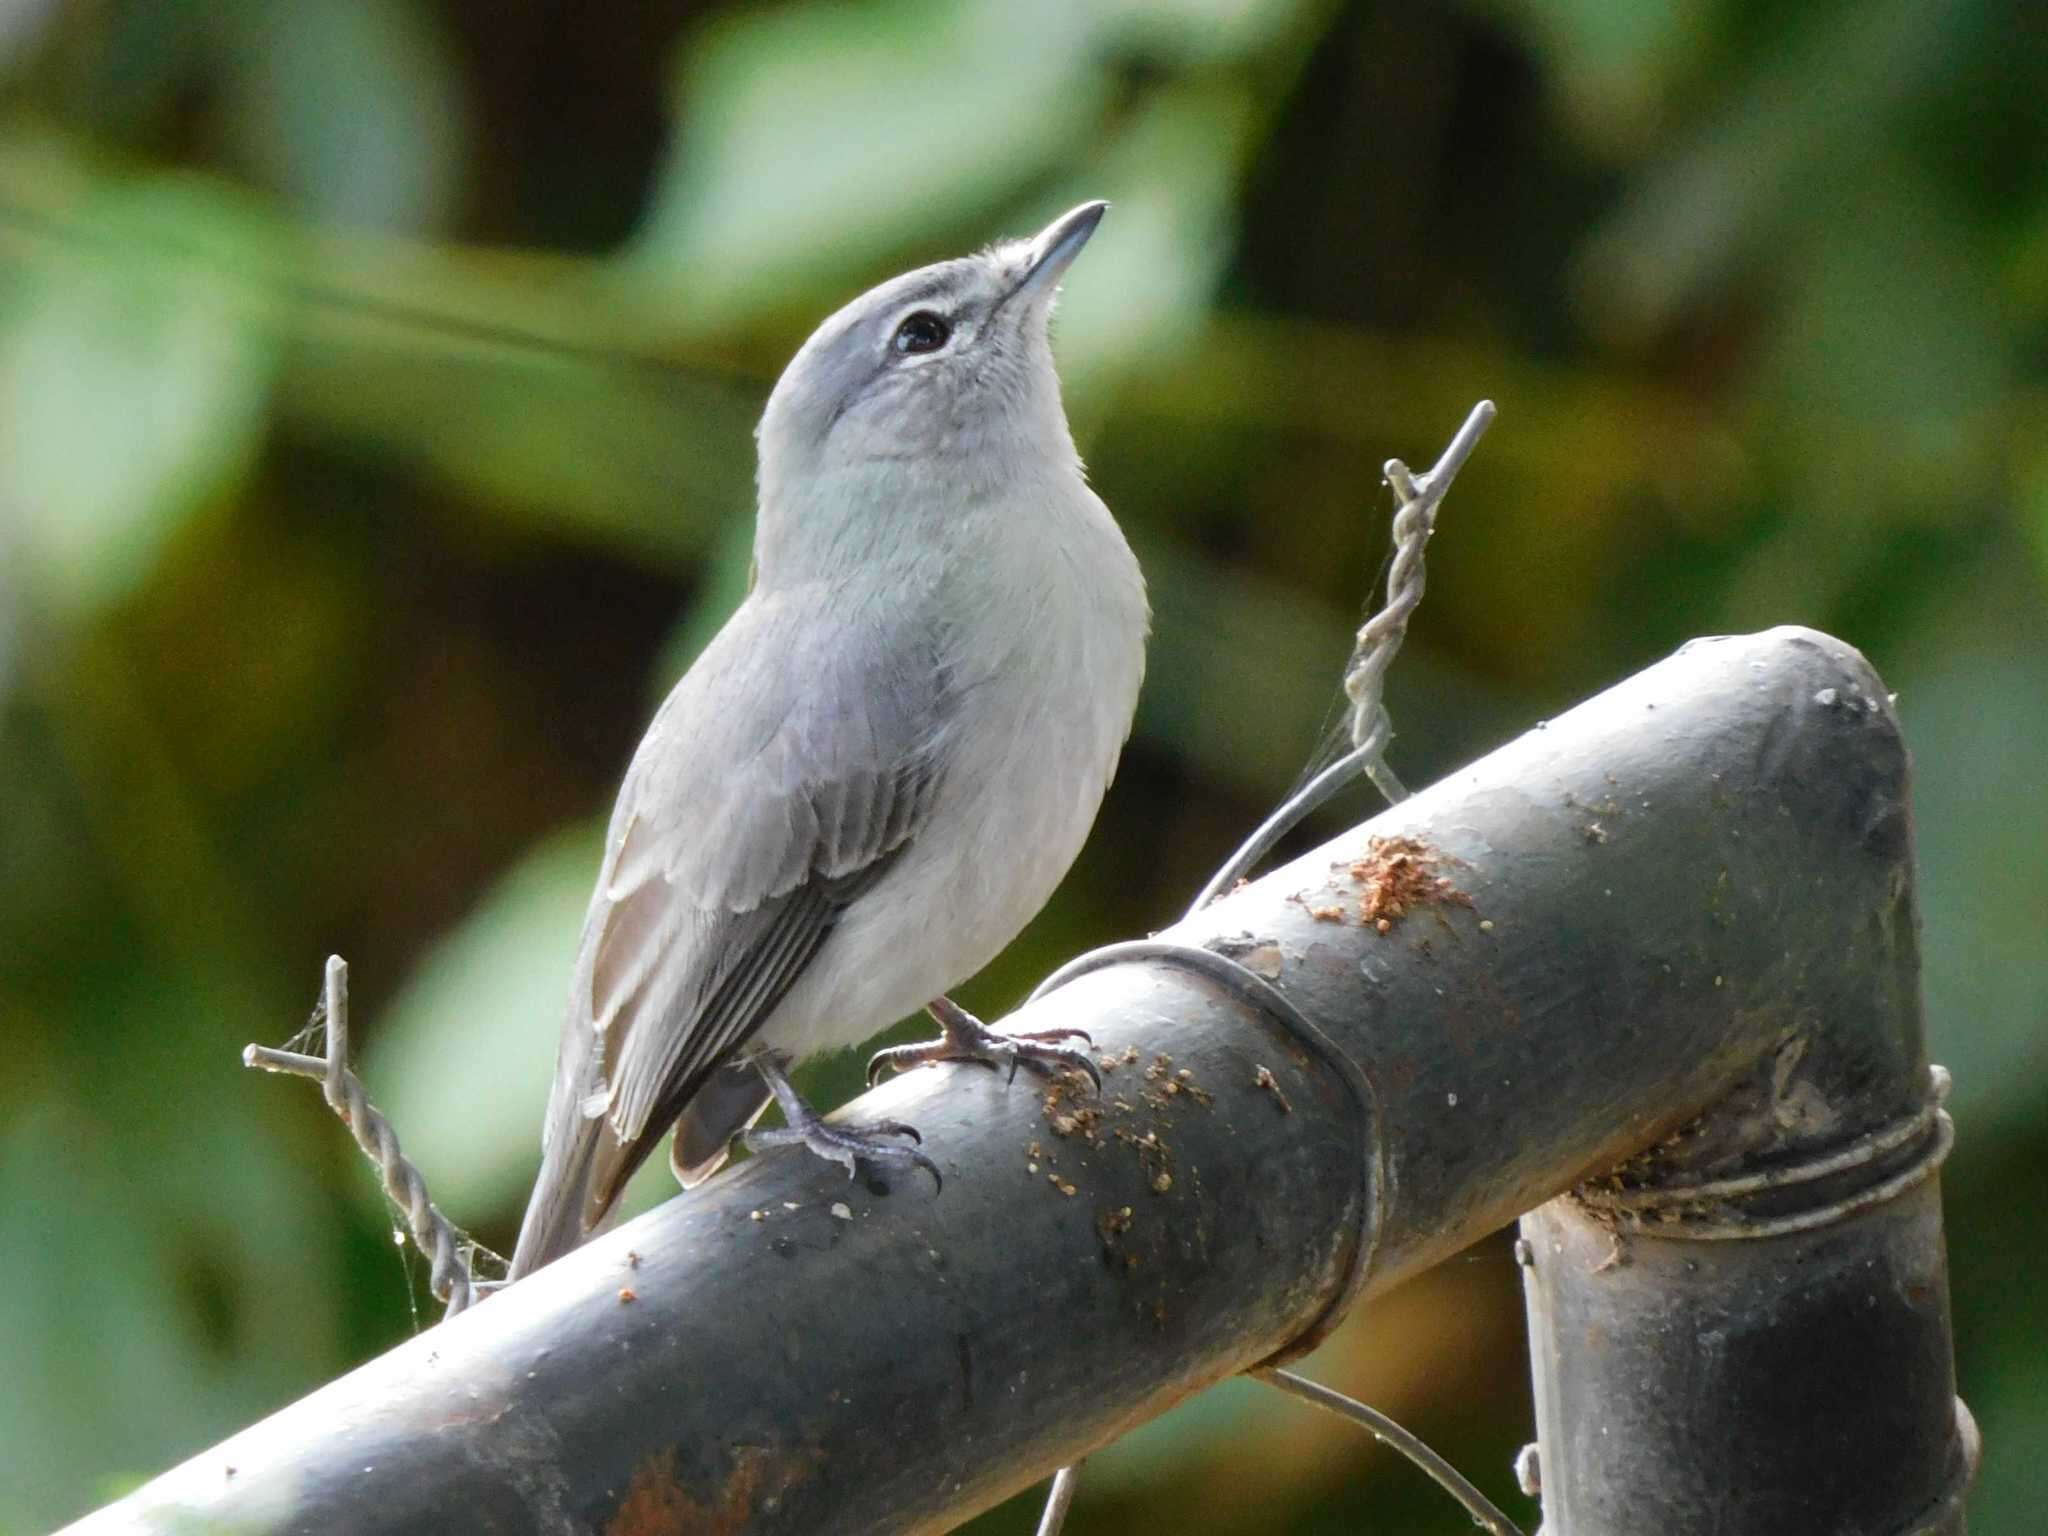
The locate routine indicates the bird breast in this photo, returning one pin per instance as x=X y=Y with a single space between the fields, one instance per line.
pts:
x=1047 y=672
x=1042 y=721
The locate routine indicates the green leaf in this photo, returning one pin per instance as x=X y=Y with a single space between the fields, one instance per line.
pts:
x=1197 y=31
x=169 y=1270
x=646 y=462
x=1823 y=96
x=824 y=138
x=1973 y=694
x=135 y=362
x=8 y=604
x=354 y=112
x=464 y=1055
x=1614 y=65
x=1147 y=278
x=68 y=1295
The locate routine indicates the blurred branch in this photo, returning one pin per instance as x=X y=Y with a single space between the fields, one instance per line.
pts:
x=548 y=384
x=432 y=294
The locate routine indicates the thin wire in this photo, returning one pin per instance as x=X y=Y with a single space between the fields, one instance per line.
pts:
x=1387 y=1432
x=1379 y=640
x=1365 y=674
x=1289 y=815
x=1059 y=1499
x=452 y=1252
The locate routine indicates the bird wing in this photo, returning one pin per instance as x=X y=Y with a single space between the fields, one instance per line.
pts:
x=792 y=764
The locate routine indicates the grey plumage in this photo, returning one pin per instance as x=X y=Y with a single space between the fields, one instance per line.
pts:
x=884 y=762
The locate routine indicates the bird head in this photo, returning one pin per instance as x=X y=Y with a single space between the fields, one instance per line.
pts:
x=937 y=381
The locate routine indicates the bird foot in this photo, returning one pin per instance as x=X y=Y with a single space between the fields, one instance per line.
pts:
x=849 y=1145
x=966 y=1038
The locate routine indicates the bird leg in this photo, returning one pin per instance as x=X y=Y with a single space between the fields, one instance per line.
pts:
x=847 y=1145
x=966 y=1038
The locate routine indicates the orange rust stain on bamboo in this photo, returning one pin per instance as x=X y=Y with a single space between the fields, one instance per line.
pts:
x=657 y=1504
x=1400 y=874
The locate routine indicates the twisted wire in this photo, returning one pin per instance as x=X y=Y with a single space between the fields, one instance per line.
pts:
x=1379 y=641
x=1380 y=637
x=450 y=1251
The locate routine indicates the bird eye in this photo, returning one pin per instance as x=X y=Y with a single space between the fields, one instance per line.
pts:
x=922 y=332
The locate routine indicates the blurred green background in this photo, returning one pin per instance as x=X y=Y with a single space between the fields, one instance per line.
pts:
x=376 y=379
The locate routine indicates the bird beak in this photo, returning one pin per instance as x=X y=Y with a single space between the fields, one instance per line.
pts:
x=1056 y=246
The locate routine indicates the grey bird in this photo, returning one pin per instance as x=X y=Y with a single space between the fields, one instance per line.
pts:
x=883 y=764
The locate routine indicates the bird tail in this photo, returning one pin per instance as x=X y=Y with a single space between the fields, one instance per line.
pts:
x=583 y=1165
x=554 y=1223
x=560 y=1215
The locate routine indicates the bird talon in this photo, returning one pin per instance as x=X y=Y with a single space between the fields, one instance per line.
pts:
x=967 y=1039
x=1050 y=1061
x=1049 y=1035
x=847 y=1145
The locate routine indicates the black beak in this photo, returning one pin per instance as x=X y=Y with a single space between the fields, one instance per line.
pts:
x=1055 y=247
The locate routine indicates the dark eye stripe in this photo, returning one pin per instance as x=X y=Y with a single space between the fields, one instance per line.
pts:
x=931 y=290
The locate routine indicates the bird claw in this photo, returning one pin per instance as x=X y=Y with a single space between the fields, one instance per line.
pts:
x=968 y=1039
x=850 y=1145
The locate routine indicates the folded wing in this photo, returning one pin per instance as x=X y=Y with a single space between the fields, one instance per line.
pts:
x=796 y=760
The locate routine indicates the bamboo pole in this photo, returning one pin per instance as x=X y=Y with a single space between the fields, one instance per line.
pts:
x=1520 y=977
